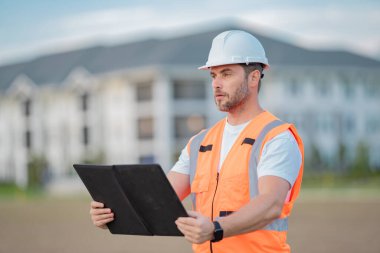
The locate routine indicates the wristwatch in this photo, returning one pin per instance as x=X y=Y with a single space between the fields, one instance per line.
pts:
x=218 y=232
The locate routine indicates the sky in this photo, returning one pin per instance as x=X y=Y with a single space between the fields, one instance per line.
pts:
x=29 y=29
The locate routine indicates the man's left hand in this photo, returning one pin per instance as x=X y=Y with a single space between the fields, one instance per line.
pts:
x=196 y=228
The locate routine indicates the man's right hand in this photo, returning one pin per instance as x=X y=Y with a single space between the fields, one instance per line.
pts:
x=100 y=216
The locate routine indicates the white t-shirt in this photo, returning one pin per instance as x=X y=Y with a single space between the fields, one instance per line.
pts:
x=280 y=156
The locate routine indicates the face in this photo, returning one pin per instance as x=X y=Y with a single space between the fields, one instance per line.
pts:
x=230 y=87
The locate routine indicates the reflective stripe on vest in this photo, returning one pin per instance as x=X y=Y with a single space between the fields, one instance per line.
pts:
x=194 y=149
x=276 y=225
x=255 y=157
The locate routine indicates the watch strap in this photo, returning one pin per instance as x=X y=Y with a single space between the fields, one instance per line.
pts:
x=218 y=232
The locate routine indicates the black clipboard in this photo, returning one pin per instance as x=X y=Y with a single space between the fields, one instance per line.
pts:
x=140 y=196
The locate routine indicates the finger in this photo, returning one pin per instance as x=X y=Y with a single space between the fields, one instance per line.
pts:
x=184 y=225
x=99 y=211
x=95 y=204
x=184 y=232
x=102 y=217
x=187 y=220
x=195 y=239
x=188 y=234
x=185 y=229
x=103 y=222
x=188 y=229
x=189 y=238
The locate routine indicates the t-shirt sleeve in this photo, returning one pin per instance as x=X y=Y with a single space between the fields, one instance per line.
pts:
x=183 y=163
x=281 y=157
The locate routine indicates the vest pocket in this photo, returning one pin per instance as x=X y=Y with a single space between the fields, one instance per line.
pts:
x=234 y=192
x=199 y=189
x=199 y=186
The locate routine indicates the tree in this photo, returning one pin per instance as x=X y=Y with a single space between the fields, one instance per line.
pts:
x=361 y=166
x=37 y=165
x=315 y=160
x=342 y=157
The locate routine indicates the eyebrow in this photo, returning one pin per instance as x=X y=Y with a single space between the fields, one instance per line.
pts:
x=222 y=71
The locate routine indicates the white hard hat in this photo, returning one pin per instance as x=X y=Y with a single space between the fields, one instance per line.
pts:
x=234 y=47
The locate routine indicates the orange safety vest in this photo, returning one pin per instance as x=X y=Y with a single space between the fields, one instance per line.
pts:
x=219 y=194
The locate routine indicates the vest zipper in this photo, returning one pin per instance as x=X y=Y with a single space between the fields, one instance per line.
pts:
x=212 y=205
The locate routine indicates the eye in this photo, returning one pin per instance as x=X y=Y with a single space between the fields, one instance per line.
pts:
x=225 y=74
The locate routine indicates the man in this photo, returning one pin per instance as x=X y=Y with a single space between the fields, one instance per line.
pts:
x=245 y=172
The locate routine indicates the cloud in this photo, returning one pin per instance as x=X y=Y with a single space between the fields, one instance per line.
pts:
x=324 y=25
x=331 y=27
x=109 y=21
x=120 y=21
x=102 y=27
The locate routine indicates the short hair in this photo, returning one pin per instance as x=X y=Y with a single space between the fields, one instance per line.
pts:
x=252 y=66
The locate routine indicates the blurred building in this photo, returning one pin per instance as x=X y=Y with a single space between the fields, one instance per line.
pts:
x=139 y=102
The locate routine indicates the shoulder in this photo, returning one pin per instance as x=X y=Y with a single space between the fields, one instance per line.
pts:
x=281 y=157
x=284 y=142
x=286 y=135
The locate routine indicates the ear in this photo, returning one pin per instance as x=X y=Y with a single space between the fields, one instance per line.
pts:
x=254 y=78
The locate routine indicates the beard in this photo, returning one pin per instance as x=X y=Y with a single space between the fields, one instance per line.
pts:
x=232 y=101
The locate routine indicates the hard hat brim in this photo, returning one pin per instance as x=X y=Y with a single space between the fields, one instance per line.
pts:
x=206 y=67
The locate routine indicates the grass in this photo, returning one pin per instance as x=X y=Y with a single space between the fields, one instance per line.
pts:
x=10 y=190
x=317 y=184
x=332 y=187
x=332 y=181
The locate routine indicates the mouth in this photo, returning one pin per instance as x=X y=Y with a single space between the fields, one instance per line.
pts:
x=219 y=95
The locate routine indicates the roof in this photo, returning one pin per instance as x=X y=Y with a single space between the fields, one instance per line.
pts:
x=191 y=49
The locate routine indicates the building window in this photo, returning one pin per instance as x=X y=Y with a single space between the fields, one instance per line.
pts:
x=85 y=135
x=371 y=90
x=322 y=88
x=84 y=101
x=347 y=87
x=189 y=89
x=186 y=127
x=146 y=159
x=348 y=90
x=28 y=139
x=326 y=124
x=145 y=128
x=144 y=91
x=27 y=107
x=372 y=125
x=349 y=124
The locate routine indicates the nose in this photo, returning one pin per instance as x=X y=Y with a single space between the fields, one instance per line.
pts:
x=216 y=83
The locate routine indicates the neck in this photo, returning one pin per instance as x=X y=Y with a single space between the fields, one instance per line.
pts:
x=243 y=114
